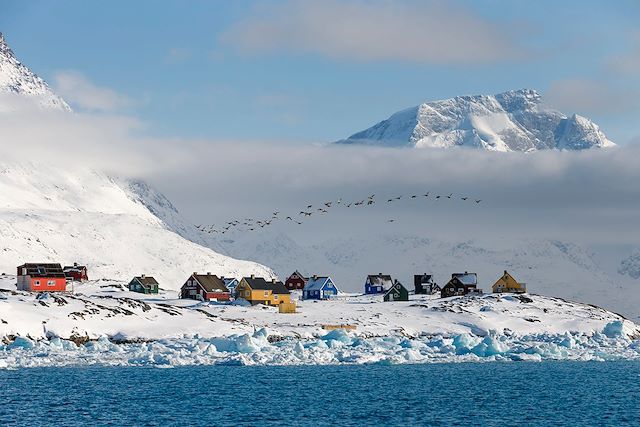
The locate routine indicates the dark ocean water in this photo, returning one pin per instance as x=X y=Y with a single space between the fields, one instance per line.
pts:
x=465 y=394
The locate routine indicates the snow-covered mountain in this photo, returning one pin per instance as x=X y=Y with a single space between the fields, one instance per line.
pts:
x=118 y=227
x=510 y=121
x=17 y=82
x=48 y=214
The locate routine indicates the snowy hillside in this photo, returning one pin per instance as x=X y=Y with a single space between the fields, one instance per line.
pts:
x=550 y=267
x=48 y=214
x=510 y=121
x=18 y=83
x=104 y=324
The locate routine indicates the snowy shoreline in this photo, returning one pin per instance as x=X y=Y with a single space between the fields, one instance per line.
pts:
x=104 y=324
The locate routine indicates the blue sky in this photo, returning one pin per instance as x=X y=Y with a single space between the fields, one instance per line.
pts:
x=318 y=71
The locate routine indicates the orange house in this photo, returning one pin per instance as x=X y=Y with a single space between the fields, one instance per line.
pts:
x=41 y=278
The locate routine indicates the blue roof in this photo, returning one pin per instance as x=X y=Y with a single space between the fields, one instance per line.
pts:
x=316 y=284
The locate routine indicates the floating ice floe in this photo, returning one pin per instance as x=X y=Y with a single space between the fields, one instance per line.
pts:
x=336 y=347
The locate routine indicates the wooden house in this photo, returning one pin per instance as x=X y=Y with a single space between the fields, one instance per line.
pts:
x=507 y=283
x=75 y=272
x=296 y=281
x=425 y=285
x=319 y=287
x=144 y=285
x=461 y=284
x=397 y=293
x=205 y=287
x=231 y=283
x=257 y=290
x=42 y=277
x=377 y=284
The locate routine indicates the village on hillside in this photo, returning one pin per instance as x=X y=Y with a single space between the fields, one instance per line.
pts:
x=53 y=277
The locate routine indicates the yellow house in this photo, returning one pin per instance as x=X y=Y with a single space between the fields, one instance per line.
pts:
x=256 y=290
x=507 y=283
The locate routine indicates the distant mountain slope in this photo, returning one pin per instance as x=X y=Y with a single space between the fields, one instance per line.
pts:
x=47 y=214
x=510 y=121
x=17 y=79
x=118 y=227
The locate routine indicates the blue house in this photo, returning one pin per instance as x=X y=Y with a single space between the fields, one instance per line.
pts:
x=231 y=283
x=319 y=288
x=377 y=284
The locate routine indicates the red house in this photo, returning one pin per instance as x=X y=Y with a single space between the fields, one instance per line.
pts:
x=76 y=272
x=41 y=278
x=205 y=287
x=296 y=281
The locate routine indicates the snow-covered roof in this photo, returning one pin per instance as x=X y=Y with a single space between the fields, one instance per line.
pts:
x=381 y=279
x=466 y=278
x=316 y=283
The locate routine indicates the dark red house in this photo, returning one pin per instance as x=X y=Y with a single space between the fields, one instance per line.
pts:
x=76 y=272
x=296 y=281
x=42 y=277
x=205 y=287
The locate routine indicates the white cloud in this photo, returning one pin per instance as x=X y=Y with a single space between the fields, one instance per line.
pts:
x=79 y=91
x=428 y=32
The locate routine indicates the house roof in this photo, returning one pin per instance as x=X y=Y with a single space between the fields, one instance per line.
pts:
x=229 y=281
x=302 y=276
x=317 y=283
x=258 y=283
x=210 y=282
x=466 y=278
x=74 y=267
x=393 y=288
x=43 y=270
x=146 y=281
x=381 y=279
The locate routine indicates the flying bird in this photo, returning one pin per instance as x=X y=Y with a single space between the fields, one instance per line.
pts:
x=413 y=197
x=391 y=220
x=309 y=207
x=463 y=198
x=449 y=196
x=478 y=201
x=289 y=218
x=426 y=195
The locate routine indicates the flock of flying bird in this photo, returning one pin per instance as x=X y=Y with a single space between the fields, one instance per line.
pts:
x=251 y=224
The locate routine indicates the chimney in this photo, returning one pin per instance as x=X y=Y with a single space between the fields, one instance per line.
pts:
x=505 y=272
x=195 y=273
x=75 y=264
x=380 y=274
x=315 y=277
x=253 y=276
x=208 y=273
x=273 y=280
x=143 y=276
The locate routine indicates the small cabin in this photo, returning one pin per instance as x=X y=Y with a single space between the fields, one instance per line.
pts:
x=397 y=293
x=507 y=283
x=76 y=273
x=144 y=285
x=296 y=281
x=377 y=284
x=43 y=277
x=425 y=285
x=461 y=284
x=257 y=290
x=319 y=288
x=205 y=287
x=231 y=283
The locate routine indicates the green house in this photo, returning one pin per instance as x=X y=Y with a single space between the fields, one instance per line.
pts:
x=144 y=285
x=397 y=293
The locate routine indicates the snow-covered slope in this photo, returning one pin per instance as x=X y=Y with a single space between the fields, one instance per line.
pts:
x=49 y=214
x=18 y=83
x=510 y=121
x=549 y=267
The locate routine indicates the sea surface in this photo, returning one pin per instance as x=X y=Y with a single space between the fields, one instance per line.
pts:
x=465 y=394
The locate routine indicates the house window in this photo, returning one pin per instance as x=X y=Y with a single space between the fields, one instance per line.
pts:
x=275 y=297
x=192 y=292
x=266 y=293
x=36 y=282
x=51 y=283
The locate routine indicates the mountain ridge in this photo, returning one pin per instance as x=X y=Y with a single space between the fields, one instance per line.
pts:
x=515 y=120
